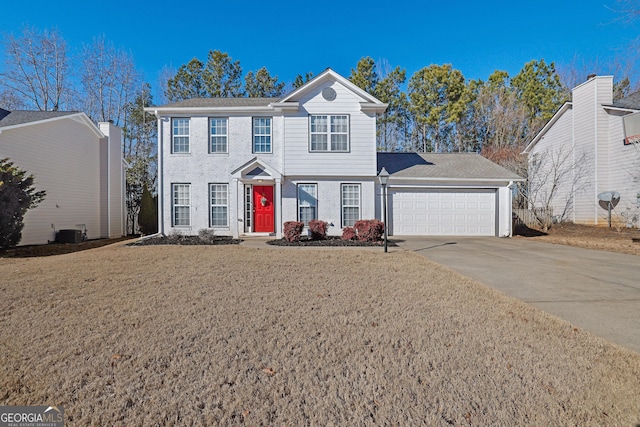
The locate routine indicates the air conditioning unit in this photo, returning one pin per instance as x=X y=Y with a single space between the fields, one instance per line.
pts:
x=69 y=236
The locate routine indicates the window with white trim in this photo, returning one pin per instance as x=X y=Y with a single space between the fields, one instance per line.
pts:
x=218 y=135
x=307 y=203
x=181 y=201
x=329 y=133
x=350 y=204
x=180 y=135
x=219 y=202
x=262 y=134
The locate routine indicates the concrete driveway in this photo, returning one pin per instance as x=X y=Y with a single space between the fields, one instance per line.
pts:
x=597 y=291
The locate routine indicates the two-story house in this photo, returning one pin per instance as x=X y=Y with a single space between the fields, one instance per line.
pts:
x=582 y=152
x=247 y=165
x=80 y=166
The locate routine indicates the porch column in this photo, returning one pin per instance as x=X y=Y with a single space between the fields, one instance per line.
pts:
x=238 y=208
x=278 y=197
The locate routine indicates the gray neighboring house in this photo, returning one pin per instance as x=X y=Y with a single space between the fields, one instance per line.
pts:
x=584 y=145
x=77 y=163
x=448 y=194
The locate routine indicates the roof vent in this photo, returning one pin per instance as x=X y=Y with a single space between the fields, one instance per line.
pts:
x=329 y=94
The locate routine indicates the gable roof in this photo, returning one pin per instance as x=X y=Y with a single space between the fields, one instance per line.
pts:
x=444 y=166
x=288 y=102
x=18 y=117
x=565 y=107
x=369 y=102
x=631 y=102
x=221 y=102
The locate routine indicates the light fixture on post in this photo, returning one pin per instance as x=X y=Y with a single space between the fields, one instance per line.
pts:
x=383 y=176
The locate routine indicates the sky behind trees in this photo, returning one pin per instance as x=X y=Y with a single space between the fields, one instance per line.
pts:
x=291 y=38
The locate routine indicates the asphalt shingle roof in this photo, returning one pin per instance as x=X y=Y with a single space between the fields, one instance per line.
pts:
x=631 y=101
x=18 y=117
x=223 y=102
x=442 y=166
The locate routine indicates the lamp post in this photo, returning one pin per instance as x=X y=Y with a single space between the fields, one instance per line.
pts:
x=383 y=176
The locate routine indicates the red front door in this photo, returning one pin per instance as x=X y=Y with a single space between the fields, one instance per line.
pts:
x=263 y=209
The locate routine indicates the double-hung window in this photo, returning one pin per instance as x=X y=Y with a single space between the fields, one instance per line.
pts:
x=180 y=135
x=218 y=135
x=329 y=133
x=262 y=135
x=219 y=202
x=350 y=204
x=307 y=203
x=181 y=204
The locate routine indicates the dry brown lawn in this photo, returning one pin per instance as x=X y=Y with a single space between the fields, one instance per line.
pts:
x=181 y=335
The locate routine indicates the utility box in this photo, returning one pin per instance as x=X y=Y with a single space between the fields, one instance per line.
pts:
x=69 y=236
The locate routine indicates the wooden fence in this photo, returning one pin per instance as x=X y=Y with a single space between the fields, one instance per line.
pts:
x=530 y=218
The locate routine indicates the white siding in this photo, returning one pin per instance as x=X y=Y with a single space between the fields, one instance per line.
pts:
x=329 y=199
x=554 y=155
x=624 y=169
x=64 y=156
x=584 y=107
x=359 y=161
x=113 y=225
x=602 y=162
x=200 y=168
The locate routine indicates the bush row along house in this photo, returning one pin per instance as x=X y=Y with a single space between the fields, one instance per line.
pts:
x=244 y=166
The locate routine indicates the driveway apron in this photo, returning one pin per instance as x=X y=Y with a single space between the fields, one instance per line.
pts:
x=595 y=290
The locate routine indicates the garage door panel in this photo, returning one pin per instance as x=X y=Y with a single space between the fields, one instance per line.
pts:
x=443 y=213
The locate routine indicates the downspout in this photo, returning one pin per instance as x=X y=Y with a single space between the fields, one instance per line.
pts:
x=595 y=152
x=109 y=183
x=160 y=176
x=510 y=210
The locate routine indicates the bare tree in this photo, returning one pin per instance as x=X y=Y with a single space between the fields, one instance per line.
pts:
x=37 y=69
x=109 y=80
x=554 y=177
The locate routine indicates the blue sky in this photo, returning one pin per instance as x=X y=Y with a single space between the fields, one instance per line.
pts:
x=295 y=37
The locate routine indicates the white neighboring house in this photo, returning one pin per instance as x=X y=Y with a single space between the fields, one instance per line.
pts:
x=244 y=166
x=77 y=163
x=583 y=146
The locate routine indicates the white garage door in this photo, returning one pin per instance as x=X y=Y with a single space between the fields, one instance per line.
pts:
x=442 y=213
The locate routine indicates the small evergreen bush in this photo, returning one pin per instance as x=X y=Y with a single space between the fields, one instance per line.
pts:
x=148 y=216
x=17 y=196
x=318 y=229
x=293 y=230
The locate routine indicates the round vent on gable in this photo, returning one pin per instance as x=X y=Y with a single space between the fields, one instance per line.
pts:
x=329 y=94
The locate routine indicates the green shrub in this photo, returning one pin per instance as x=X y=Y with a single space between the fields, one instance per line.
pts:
x=17 y=196
x=148 y=217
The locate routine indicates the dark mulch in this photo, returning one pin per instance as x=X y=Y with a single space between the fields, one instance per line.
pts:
x=186 y=240
x=57 y=248
x=329 y=241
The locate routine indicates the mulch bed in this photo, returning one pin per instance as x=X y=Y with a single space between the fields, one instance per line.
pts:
x=186 y=240
x=328 y=241
x=57 y=248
